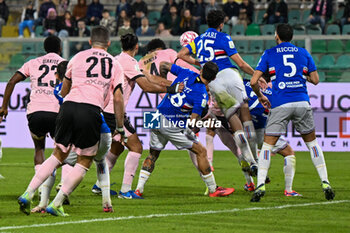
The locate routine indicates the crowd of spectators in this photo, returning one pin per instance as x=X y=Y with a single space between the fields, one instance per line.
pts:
x=176 y=16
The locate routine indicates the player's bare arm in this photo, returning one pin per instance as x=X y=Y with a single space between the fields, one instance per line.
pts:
x=254 y=82
x=151 y=87
x=157 y=79
x=242 y=64
x=185 y=55
x=16 y=78
x=66 y=86
x=118 y=102
x=313 y=78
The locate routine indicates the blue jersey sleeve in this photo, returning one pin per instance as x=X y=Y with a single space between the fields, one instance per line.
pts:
x=263 y=63
x=178 y=70
x=57 y=93
x=200 y=102
x=228 y=45
x=310 y=62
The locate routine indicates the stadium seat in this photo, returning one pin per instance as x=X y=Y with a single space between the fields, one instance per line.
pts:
x=28 y=48
x=112 y=14
x=300 y=43
x=346 y=29
x=259 y=17
x=175 y=45
x=115 y=48
x=153 y=17
x=306 y=14
x=250 y=60
x=226 y=29
x=268 y=29
x=333 y=29
x=30 y=58
x=294 y=17
x=9 y=31
x=322 y=76
x=318 y=46
x=203 y=28
x=326 y=62
x=238 y=30
x=345 y=77
x=299 y=31
x=256 y=46
x=242 y=46
x=253 y=30
x=270 y=44
x=333 y=76
x=5 y=75
x=138 y=57
x=315 y=58
x=39 y=31
x=314 y=31
x=343 y=62
x=340 y=13
x=347 y=46
x=16 y=61
x=335 y=46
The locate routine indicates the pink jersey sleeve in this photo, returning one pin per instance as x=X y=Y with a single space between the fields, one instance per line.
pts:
x=25 y=69
x=118 y=81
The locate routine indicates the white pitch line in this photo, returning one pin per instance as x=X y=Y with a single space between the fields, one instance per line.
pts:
x=170 y=215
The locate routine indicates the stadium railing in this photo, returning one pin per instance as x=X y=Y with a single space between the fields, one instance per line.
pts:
x=330 y=52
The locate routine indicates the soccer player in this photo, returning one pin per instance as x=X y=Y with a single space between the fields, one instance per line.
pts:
x=227 y=89
x=43 y=106
x=85 y=89
x=176 y=109
x=132 y=75
x=291 y=67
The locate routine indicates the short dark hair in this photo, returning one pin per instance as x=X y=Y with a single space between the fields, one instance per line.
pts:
x=105 y=11
x=100 y=36
x=215 y=18
x=52 y=44
x=61 y=69
x=129 y=41
x=284 y=32
x=210 y=69
x=155 y=44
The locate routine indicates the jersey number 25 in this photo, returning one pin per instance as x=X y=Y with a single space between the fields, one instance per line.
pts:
x=206 y=47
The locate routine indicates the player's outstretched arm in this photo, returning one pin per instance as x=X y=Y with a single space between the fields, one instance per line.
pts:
x=254 y=82
x=242 y=64
x=164 y=68
x=66 y=85
x=157 y=79
x=313 y=77
x=16 y=78
x=185 y=55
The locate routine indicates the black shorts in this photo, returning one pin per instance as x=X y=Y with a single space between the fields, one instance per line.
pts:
x=110 y=120
x=78 y=125
x=40 y=123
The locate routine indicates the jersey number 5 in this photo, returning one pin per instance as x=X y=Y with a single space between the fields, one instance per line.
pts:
x=290 y=64
x=210 y=49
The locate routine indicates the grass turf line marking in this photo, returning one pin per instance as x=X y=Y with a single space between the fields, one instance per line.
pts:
x=171 y=215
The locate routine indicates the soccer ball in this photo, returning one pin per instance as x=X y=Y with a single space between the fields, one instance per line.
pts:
x=187 y=37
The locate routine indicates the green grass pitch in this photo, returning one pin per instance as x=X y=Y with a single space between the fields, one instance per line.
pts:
x=176 y=188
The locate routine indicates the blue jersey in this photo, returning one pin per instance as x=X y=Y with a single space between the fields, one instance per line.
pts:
x=257 y=111
x=213 y=46
x=178 y=107
x=57 y=93
x=287 y=66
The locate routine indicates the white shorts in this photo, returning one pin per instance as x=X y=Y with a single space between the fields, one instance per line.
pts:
x=228 y=91
x=179 y=137
x=280 y=144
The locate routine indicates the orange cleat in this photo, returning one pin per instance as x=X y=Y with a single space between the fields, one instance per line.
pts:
x=221 y=192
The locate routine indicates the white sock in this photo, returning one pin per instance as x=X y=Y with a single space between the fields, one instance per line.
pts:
x=289 y=171
x=318 y=159
x=125 y=188
x=209 y=181
x=248 y=178
x=264 y=163
x=59 y=199
x=249 y=132
x=242 y=143
x=46 y=189
x=103 y=181
x=143 y=177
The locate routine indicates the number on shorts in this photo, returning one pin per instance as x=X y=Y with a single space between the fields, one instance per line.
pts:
x=46 y=69
x=107 y=74
x=210 y=49
x=290 y=64
x=177 y=100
